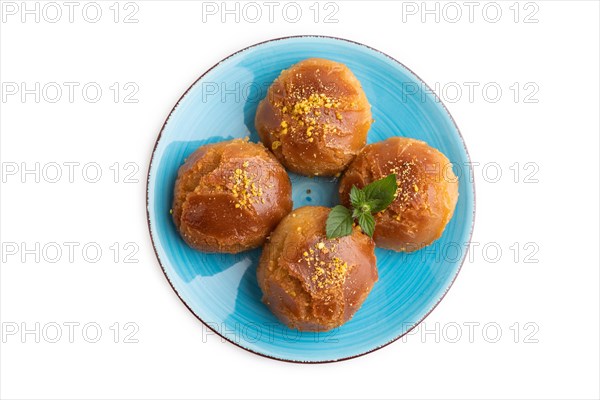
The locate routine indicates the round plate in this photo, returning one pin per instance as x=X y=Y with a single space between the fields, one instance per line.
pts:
x=221 y=289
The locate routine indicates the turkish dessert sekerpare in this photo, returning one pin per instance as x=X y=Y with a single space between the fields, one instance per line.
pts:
x=315 y=117
x=426 y=196
x=229 y=196
x=312 y=283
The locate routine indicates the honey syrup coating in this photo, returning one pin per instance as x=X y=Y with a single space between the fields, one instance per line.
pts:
x=312 y=283
x=315 y=117
x=426 y=196
x=229 y=196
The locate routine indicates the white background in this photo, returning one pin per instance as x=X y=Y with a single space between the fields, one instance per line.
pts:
x=556 y=355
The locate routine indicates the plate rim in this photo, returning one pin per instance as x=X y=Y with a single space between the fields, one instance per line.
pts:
x=154 y=245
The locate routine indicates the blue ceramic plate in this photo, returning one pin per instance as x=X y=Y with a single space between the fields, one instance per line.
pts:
x=221 y=290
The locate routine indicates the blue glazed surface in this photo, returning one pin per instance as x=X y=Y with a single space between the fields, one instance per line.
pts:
x=221 y=289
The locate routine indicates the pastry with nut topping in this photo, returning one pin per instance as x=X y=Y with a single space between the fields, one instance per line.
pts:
x=229 y=196
x=426 y=195
x=312 y=283
x=315 y=117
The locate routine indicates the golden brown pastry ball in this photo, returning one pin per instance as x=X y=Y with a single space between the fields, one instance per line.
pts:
x=229 y=196
x=426 y=196
x=312 y=283
x=315 y=117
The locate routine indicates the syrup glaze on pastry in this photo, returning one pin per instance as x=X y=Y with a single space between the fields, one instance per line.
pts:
x=229 y=196
x=315 y=117
x=426 y=196
x=312 y=283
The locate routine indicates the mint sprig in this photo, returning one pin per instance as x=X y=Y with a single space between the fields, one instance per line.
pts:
x=371 y=199
x=339 y=222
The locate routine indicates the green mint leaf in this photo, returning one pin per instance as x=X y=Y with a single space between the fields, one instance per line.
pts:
x=339 y=222
x=380 y=194
x=357 y=197
x=371 y=199
x=367 y=223
x=377 y=205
